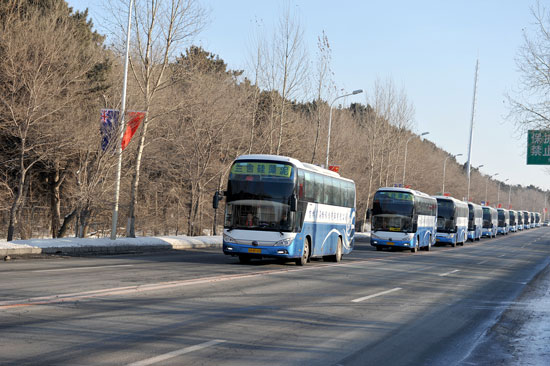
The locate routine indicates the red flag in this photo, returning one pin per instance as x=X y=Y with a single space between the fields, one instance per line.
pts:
x=131 y=127
x=334 y=168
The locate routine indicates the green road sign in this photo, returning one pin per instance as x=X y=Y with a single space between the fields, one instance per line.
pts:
x=538 y=147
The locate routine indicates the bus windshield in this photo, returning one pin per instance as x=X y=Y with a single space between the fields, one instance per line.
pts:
x=471 y=218
x=445 y=216
x=392 y=211
x=487 y=220
x=258 y=196
x=501 y=218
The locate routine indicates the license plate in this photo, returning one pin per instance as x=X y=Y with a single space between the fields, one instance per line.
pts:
x=254 y=250
x=437 y=239
x=390 y=243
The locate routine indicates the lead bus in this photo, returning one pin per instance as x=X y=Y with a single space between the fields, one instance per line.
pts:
x=403 y=218
x=279 y=207
x=452 y=221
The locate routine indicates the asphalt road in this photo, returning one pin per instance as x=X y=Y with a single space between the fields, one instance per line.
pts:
x=199 y=307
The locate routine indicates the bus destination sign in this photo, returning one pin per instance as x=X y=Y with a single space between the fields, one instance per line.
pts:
x=538 y=147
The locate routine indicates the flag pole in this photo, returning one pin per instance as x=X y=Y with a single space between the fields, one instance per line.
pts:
x=122 y=112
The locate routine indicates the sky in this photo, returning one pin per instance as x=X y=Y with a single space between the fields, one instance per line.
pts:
x=428 y=48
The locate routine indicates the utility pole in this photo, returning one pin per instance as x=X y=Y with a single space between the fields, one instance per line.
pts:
x=471 y=131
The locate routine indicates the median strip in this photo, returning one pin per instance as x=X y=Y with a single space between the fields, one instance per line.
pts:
x=376 y=295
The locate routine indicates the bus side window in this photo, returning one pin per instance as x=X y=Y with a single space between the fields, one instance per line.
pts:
x=301 y=186
x=318 y=192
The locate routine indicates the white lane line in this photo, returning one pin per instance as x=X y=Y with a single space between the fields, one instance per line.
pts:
x=485 y=261
x=79 y=268
x=176 y=353
x=375 y=295
x=448 y=273
x=502 y=255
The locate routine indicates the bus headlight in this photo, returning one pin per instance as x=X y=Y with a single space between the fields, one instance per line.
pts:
x=285 y=242
x=228 y=239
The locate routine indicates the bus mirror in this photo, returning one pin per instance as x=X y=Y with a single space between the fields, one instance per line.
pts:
x=293 y=203
x=216 y=200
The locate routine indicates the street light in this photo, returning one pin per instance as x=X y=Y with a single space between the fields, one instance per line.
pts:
x=498 y=192
x=358 y=91
x=444 y=163
x=486 y=183
x=405 y=159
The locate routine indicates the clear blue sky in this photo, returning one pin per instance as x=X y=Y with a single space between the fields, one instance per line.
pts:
x=429 y=47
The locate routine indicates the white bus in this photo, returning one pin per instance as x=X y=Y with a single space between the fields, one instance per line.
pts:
x=503 y=221
x=403 y=218
x=452 y=221
x=279 y=207
x=513 y=220
x=475 y=221
x=490 y=222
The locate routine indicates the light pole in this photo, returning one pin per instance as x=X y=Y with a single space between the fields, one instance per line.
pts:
x=486 y=183
x=498 y=192
x=122 y=127
x=444 y=163
x=358 y=91
x=405 y=159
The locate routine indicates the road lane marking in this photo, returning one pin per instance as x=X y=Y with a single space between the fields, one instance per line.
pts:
x=79 y=268
x=485 y=261
x=376 y=295
x=448 y=273
x=176 y=353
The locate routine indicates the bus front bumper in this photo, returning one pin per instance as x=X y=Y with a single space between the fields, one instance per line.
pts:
x=445 y=238
x=234 y=249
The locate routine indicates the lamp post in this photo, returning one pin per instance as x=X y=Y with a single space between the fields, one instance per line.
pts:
x=444 y=163
x=122 y=125
x=358 y=91
x=405 y=159
x=498 y=192
x=486 y=183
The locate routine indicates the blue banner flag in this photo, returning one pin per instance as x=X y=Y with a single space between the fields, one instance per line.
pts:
x=109 y=123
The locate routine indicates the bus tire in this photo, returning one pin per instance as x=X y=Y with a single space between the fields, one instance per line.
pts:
x=416 y=246
x=244 y=259
x=338 y=256
x=305 y=254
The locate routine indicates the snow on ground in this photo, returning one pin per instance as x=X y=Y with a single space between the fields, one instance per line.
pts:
x=107 y=242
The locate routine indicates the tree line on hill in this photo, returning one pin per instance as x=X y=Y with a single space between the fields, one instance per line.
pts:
x=57 y=73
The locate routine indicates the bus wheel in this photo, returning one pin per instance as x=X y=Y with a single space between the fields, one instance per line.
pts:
x=338 y=256
x=416 y=246
x=244 y=259
x=305 y=254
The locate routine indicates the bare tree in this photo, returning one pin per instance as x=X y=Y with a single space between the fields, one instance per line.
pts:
x=288 y=66
x=529 y=104
x=161 y=29
x=42 y=65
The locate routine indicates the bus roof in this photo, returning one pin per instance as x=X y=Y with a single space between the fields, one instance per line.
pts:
x=406 y=190
x=455 y=200
x=474 y=204
x=297 y=163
